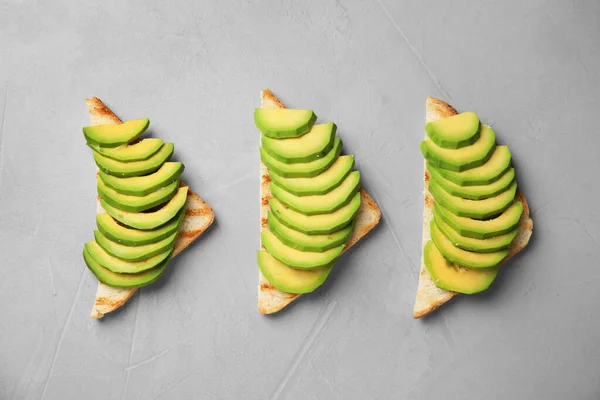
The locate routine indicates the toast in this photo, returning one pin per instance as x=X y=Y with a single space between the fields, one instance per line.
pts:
x=270 y=299
x=198 y=217
x=429 y=296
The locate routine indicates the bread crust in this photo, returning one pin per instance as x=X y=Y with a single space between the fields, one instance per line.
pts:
x=430 y=297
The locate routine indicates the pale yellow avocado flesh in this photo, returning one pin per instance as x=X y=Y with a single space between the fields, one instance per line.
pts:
x=279 y=123
x=311 y=146
x=454 y=132
x=123 y=266
x=297 y=258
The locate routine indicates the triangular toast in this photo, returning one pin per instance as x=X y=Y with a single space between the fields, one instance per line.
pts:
x=429 y=296
x=198 y=217
x=271 y=300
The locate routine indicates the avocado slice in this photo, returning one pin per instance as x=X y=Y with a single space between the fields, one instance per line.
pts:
x=495 y=243
x=296 y=258
x=115 y=264
x=462 y=257
x=134 y=237
x=133 y=152
x=504 y=223
x=320 y=184
x=474 y=192
x=464 y=158
x=134 y=253
x=302 y=170
x=281 y=123
x=116 y=279
x=454 y=132
x=479 y=209
x=144 y=185
x=316 y=224
x=115 y=135
x=308 y=147
x=491 y=171
x=320 y=204
x=134 y=168
x=131 y=203
x=304 y=242
x=291 y=280
x=149 y=220
x=449 y=276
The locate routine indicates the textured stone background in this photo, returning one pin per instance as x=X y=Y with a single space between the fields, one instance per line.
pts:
x=196 y=68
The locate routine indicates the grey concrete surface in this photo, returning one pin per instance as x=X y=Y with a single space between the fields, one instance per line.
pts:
x=529 y=68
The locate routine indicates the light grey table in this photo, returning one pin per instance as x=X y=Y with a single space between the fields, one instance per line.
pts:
x=529 y=68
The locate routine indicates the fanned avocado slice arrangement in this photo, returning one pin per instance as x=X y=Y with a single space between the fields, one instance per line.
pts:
x=139 y=191
x=315 y=198
x=476 y=215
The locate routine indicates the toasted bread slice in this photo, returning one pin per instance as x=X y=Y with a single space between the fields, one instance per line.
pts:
x=198 y=217
x=271 y=300
x=429 y=296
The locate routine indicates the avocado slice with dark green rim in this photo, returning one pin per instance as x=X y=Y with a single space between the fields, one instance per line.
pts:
x=478 y=209
x=474 y=192
x=134 y=253
x=115 y=279
x=491 y=171
x=462 y=257
x=478 y=229
x=132 y=203
x=495 y=243
x=306 y=148
x=115 y=135
x=304 y=242
x=144 y=185
x=316 y=224
x=302 y=170
x=455 y=278
x=133 y=152
x=464 y=158
x=149 y=220
x=296 y=258
x=281 y=123
x=454 y=132
x=320 y=204
x=320 y=184
x=134 y=168
x=121 y=266
x=135 y=237
x=291 y=280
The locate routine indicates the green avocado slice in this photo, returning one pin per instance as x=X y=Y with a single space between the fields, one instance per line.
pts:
x=492 y=244
x=144 y=185
x=135 y=237
x=134 y=253
x=474 y=192
x=110 y=135
x=278 y=123
x=478 y=209
x=449 y=276
x=306 y=148
x=116 y=279
x=504 y=223
x=296 y=258
x=132 y=203
x=454 y=132
x=464 y=158
x=491 y=171
x=317 y=185
x=149 y=220
x=134 y=168
x=304 y=242
x=302 y=170
x=291 y=280
x=316 y=224
x=462 y=257
x=116 y=264
x=133 y=152
x=320 y=204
